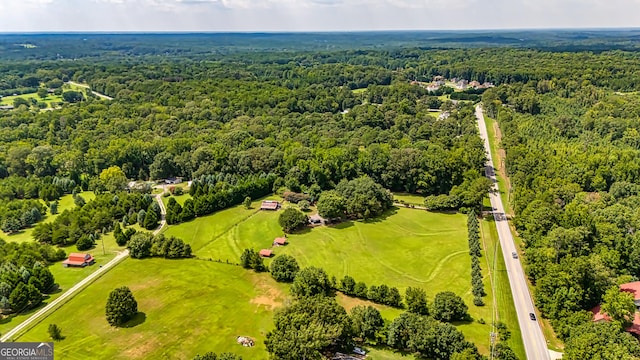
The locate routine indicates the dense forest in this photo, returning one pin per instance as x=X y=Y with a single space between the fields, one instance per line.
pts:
x=245 y=122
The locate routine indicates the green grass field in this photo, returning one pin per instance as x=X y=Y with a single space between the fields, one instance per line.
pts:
x=51 y=100
x=65 y=203
x=407 y=248
x=188 y=307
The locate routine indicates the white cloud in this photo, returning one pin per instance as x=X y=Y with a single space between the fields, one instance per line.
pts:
x=301 y=15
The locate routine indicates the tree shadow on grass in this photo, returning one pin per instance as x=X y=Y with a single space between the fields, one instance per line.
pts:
x=137 y=319
x=342 y=225
x=385 y=215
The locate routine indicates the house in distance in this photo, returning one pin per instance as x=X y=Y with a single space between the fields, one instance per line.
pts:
x=79 y=260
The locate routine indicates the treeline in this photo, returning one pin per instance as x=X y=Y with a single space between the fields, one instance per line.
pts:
x=143 y=245
x=211 y=196
x=477 y=286
x=24 y=276
x=381 y=294
x=20 y=214
x=47 y=188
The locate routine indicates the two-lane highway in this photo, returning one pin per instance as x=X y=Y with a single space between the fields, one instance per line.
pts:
x=535 y=344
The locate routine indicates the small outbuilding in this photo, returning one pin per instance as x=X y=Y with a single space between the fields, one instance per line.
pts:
x=270 y=205
x=316 y=219
x=266 y=253
x=79 y=260
x=280 y=241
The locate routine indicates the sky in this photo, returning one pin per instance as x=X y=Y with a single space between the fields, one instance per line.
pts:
x=311 y=15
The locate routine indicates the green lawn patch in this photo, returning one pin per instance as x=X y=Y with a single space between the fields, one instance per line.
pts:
x=179 y=198
x=188 y=307
x=359 y=91
x=409 y=198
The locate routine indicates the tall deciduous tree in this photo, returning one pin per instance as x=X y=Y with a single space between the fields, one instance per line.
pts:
x=619 y=306
x=416 y=300
x=113 y=179
x=307 y=327
x=447 y=306
x=311 y=281
x=367 y=322
x=284 y=268
x=291 y=219
x=331 y=205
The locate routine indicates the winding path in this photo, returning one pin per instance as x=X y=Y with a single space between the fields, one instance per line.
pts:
x=33 y=319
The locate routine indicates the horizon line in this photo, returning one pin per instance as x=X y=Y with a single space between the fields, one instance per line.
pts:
x=194 y=32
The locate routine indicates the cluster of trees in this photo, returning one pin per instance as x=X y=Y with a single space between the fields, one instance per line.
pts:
x=382 y=294
x=315 y=322
x=122 y=236
x=251 y=259
x=97 y=216
x=429 y=338
x=143 y=245
x=46 y=188
x=466 y=197
x=21 y=287
x=477 y=286
x=360 y=198
x=20 y=214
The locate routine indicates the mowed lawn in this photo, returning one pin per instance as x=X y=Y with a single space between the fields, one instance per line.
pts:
x=187 y=307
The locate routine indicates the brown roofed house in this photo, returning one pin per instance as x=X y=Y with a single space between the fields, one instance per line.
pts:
x=79 y=259
x=270 y=205
x=280 y=241
x=634 y=289
x=266 y=253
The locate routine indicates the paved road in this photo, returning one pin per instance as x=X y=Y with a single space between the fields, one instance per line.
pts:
x=79 y=286
x=535 y=344
x=103 y=96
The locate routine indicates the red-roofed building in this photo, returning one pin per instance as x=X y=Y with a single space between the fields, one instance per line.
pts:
x=266 y=253
x=270 y=205
x=280 y=241
x=79 y=259
x=634 y=289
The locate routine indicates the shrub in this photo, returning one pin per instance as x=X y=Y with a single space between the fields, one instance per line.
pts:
x=85 y=243
x=55 y=332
